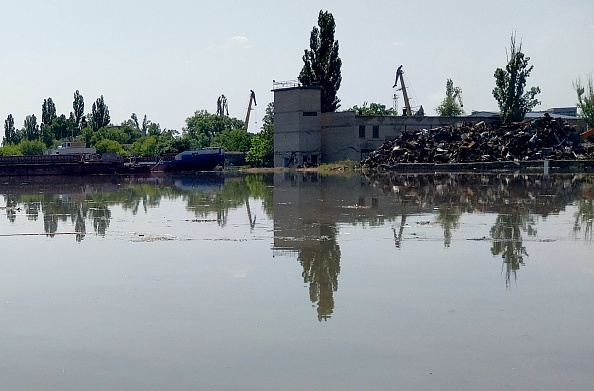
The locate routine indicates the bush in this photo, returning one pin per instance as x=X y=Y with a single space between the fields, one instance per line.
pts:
x=35 y=147
x=109 y=146
x=10 y=150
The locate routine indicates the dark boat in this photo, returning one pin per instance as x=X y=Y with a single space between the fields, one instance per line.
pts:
x=205 y=159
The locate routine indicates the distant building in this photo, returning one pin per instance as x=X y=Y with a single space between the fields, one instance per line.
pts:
x=304 y=136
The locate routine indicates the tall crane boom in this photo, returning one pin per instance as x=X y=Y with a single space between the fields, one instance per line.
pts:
x=458 y=95
x=249 y=109
x=399 y=74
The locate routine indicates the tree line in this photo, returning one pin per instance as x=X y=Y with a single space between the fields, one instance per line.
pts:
x=132 y=137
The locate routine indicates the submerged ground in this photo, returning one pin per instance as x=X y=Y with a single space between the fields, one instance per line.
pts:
x=297 y=281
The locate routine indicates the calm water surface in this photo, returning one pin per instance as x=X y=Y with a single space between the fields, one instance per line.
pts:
x=297 y=282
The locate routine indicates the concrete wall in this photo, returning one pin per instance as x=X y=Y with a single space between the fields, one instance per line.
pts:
x=297 y=140
x=303 y=135
x=348 y=136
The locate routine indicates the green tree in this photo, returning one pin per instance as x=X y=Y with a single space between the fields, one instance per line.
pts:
x=100 y=114
x=374 y=109
x=202 y=127
x=30 y=128
x=48 y=112
x=321 y=62
x=10 y=133
x=146 y=146
x=62 y=127
x=31 y=147
x=510 y=84
x=109 y=146
x=78 y=105
x=238 y=140
x=261 y=153
x=145 y=125
x=10 y=150
x=585 y=102
x=131 y=131
x=449 y=107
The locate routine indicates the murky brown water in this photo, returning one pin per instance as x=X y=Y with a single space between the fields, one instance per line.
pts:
x=297 y=282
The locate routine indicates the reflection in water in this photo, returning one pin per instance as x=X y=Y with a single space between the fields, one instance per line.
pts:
x=76 y=200
x=585 y=212
x=321 y=266
x=506 y=236
x=309 y=209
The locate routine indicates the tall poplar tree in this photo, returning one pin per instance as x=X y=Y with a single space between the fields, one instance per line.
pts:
x=78 y=105
x=48 y=112
x=30 y=128
x=10 y=134
x=100 y=114
x=510 y=83
x=321 y=62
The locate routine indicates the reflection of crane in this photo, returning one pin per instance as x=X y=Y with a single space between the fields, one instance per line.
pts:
x=407 y=109
x=458 y=94
x=249 y=109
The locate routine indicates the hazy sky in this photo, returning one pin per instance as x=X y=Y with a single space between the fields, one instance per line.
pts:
x=170 y=58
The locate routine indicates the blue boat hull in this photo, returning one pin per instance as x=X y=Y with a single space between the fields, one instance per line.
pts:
x=194 y=160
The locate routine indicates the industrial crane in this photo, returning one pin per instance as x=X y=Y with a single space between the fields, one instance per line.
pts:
x=458 y=95
x=222 y=107
x=407 y=109
x=249 y=108
x=399 y=73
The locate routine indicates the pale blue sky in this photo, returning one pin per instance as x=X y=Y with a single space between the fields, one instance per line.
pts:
x=169 y=58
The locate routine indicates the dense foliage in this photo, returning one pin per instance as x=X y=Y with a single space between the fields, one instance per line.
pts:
x=510 y=83
x=585 y=102
x=374 y=109
x=261 y=153
x=321 y=62
x=449 y=107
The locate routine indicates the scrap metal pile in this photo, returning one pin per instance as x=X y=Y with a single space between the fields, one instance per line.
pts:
x=543 y=138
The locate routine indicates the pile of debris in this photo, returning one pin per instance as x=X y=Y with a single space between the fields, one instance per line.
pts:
x=540 y=139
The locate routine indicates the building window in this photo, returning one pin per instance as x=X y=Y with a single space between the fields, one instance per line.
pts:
x=375 y=131
x=310 y=113
x=361 y=131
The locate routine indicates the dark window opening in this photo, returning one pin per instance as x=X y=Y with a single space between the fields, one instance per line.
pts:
x=375 y=131
x=361 y=131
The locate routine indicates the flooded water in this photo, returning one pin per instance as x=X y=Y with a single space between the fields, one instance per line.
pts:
x=297 y=282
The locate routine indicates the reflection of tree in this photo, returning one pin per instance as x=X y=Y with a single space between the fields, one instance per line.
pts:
x=77 y=200
x=50 y=224
x=506 y=234
x=449 y=218
x=321 y=266
x=79 y=224
x=583 y=218
x=32 y=210
x=100 y=217
x=398 y=235
x=11 y=206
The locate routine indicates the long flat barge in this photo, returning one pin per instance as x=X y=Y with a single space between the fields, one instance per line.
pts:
x=110 y=163
x=59 y=165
